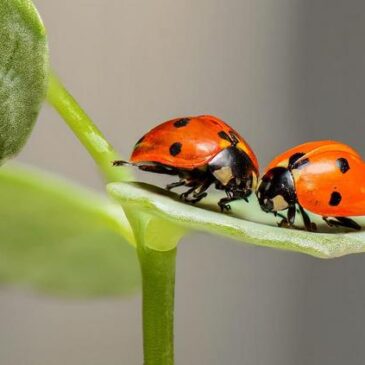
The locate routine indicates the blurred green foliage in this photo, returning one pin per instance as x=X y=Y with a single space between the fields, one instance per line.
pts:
x=62 y=239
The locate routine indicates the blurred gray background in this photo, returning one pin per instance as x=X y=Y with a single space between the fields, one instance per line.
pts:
x=281 y=72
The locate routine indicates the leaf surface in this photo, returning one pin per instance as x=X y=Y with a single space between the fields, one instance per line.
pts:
x=245 y=223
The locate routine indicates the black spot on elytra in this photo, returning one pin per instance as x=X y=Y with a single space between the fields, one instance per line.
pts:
x=234 y=137
x=224 y=135
x=343 y=165
x=294 y=158
x=181 y=122
x=299 y=162
x=335 y=199
x=175 y=148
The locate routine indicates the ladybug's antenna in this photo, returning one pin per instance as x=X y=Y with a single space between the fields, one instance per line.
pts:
x=121 y=163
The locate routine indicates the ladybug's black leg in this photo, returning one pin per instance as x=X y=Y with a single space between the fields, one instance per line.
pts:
x=200 y=191
x=349 y=223
x=198 y=196
x=284 y=219
x=223 y=204
x=231 y=196
x=175 y=184
x=308 y=224
x=284 y=222
x=291 y=214
x=185 y=196
x=197 y=192
x=342 y=222
x=330 y=222
x=276 y=214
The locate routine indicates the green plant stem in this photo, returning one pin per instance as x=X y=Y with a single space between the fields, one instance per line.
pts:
x=85 y=130
x=158 y=277
x=157 y=267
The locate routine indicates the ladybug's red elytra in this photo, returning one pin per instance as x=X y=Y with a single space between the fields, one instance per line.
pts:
x=202 y=151
x=323 y=177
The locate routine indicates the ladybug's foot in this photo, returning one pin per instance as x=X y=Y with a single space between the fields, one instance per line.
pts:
x=196 y=193
x=175 y=184
x=330 y=222
x=224 y=207
x=231 y=196
x=284 y=223
x=191 y=197
x=223 y=204
x=185 y=196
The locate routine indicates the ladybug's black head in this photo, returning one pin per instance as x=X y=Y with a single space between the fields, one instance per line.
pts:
x=276 y=190
x=234 y=172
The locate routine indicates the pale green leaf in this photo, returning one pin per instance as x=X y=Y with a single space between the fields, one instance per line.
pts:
x=23 y=72
x=205 y=217
x=63 y=239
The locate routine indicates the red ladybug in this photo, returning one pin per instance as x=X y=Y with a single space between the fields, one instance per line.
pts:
x=323 y=177
x=200 y=150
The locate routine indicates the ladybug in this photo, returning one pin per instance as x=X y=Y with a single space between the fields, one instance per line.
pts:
x=201 y=151
x=323 y=177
